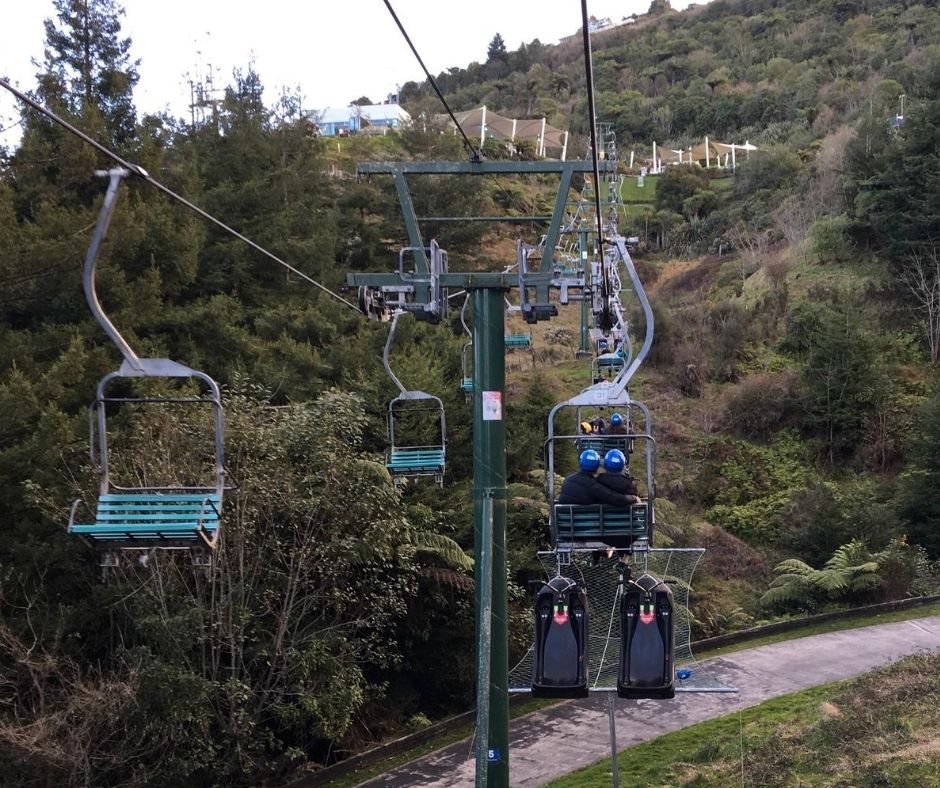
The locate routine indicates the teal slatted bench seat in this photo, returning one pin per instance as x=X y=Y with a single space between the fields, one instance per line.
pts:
x=402 y=463
x=604 y=443
x=619 y=528
x=467 y=386
x=153 y=517
x=518 y=340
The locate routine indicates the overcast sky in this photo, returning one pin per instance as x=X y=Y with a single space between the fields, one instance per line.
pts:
x=333 y=51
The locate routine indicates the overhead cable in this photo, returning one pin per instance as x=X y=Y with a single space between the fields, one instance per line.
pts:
x=589 y=75
x=475 y=155
x=141 y=172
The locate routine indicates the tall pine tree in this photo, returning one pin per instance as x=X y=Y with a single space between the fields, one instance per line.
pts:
x=87 y=65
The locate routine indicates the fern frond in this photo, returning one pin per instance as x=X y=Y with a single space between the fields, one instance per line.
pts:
x=443 y=550
x=795 y=567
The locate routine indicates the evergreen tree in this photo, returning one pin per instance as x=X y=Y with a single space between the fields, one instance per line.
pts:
x=836 y=379
x=87 y=65
x=919 y=495
x=899 y=181
x=496 y=48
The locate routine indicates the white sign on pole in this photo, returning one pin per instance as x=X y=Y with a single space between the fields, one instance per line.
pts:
x=492 y=406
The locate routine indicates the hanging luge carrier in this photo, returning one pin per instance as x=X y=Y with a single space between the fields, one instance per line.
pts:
x=175 y=517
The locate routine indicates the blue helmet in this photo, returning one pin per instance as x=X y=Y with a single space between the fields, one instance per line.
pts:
x=589 y=460
x=616 y=419
x=614 y=460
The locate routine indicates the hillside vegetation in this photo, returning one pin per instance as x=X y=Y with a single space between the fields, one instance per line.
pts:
x=791 y=380
x=880 y=729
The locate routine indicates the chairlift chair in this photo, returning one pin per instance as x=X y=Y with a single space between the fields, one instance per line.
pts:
x=406 y=458
x=175 y=517
x=466 y=354
x=466 y=366
x=607 y=366
x=597 y=525
x=513 y=341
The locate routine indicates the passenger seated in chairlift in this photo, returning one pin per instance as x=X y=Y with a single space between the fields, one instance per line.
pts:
x=585 y=428
x=617 y=427
x=598 y=426
x=583 y=489
x=617 y=476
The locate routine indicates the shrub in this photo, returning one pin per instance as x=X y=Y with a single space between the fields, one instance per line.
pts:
x=829 y=239
x=760 y=405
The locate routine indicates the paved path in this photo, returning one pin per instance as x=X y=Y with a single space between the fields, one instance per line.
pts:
x=552 y=742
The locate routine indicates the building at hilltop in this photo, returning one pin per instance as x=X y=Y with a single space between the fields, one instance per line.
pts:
x=371 y=118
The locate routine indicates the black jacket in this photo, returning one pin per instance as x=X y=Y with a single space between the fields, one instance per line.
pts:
x=618 y=482
x=583 y=489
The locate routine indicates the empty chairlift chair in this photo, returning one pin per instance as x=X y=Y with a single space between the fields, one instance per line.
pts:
x=175 y=516
x=466 y=367
x=408 y=457
x=170 y=517
x=513 y=341
x=417 y=431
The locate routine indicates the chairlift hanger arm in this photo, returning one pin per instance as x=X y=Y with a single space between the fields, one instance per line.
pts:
x=115 y=177
x=388 y=348
x=411 y=222
x=620 y=384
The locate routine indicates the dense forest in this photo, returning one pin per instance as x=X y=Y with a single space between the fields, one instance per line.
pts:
x=792 y=378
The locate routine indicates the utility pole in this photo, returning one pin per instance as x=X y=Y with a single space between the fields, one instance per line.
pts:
x=423 y=292
x=489 y=532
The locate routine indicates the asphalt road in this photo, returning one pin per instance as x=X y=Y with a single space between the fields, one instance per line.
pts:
x=555 y=741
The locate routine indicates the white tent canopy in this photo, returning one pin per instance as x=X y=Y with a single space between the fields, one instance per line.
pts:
x=483 y=123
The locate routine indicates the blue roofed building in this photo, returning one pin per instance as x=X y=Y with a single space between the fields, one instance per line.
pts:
x=340 y=121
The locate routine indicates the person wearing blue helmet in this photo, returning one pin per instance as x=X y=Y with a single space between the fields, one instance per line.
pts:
x=583 y=489
x=617 y=426
x=616 y=476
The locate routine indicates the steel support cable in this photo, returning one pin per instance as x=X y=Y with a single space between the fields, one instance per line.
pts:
x=141 y=172
x=475 y=155
x=589 y=78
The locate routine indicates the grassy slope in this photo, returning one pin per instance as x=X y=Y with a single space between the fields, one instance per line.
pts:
x=880 y=729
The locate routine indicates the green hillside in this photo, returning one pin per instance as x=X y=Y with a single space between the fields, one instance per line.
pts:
x=875 y=730
x=792 y=379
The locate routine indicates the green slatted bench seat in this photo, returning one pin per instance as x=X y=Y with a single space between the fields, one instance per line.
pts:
x=615 y=527
x=404 y=461
x=604 y=444
x=467 y=385
x=153 y=516
x=609 y=360
x=518 y=340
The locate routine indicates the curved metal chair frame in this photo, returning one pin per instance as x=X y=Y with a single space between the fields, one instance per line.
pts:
x=144 y=518
x=404 y=461
x=610 y=396
x=466 y=368
x=600 y=525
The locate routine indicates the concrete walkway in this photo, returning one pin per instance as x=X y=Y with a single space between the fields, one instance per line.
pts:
x=553 y=742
